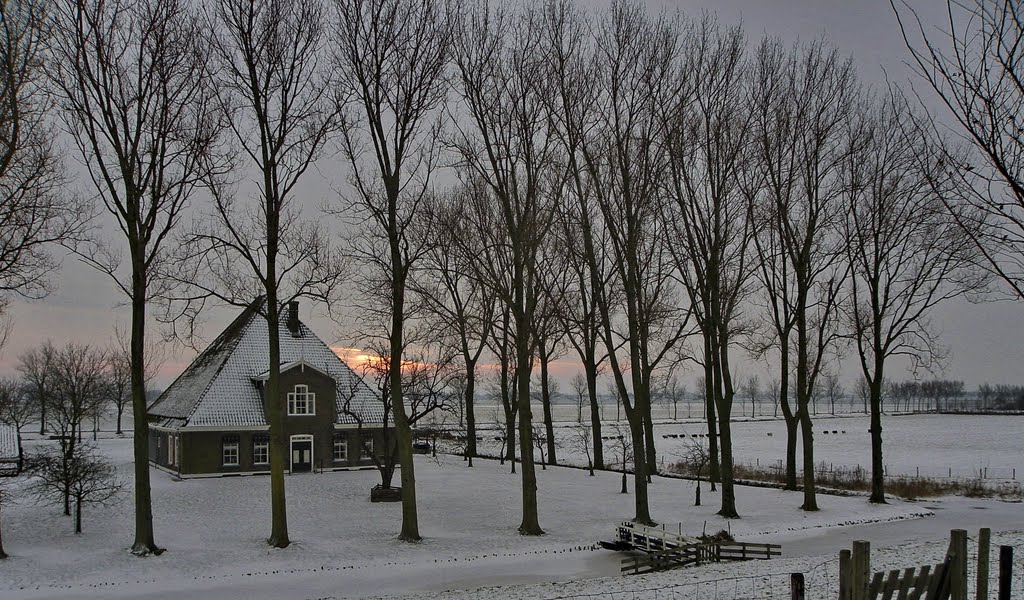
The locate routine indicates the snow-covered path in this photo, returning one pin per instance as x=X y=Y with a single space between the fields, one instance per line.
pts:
x=427 y=577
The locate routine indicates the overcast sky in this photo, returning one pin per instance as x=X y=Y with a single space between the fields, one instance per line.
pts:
x=984 y=340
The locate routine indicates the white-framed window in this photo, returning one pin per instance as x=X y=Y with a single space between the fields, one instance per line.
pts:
x=366 y=449
x=301 y=401
x=229 y=451
x=340 y=447
x=172 y=450
x=260 y=450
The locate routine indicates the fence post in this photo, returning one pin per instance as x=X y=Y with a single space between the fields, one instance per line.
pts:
x=958 y=564
x=796 y=586
x=844 y=575
x=1005 y=571
x=984 y=540
x=861 y=570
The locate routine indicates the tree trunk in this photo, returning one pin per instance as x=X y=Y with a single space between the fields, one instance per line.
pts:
x=877 y=466
x=640 y=499
x=807 y=439
x=805 y=401
x=144 y=542
x=78 y=515
x=42 y=409
x=545 y=397
x=530 y=524
x=652 y=459
x=470 y=410
x=728 y=508
x=275 y=418
x=120 y=409
x=792 y=431
x=595 y=414
x=510 y=437
x=697 y=500
x=709 y=403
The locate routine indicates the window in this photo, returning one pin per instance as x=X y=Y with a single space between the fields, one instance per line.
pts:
x=172 y=450
x=229 y=451
x=367 y=448
x=260 y=450
x=301 y=401
x=340 y=447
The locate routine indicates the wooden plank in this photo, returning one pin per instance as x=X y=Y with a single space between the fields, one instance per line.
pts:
x=984 y=551
x=938 y=586
x=958 y=564
x=921 y=583
x=905 y=582
x=845 y=573
x=875 y=586
x=890 y=583
x=861 y=570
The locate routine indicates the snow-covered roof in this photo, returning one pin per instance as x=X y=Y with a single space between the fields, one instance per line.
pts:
x=219 y=388
x=8 y=443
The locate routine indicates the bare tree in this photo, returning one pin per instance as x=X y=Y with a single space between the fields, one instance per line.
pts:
x=674 y=391
x=35 y=212
x=974 y=64
x=752 y=390
x=695 y=457
x=906 y=252
x=134 y=85
x=76 y=389
x=35 y=366
x=774 y=392
x=85 y=477
x=833 y=388
x=622 y=450
x=119 y=373
x=428 y=381
x=707 y=134
x=582 y=440
x=505 y=145
x=18 y=408
x=391 y=58
x=802 y=102
x=271 y=87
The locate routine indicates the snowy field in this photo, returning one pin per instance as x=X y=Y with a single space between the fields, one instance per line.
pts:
x=927 y=445
x=345 y=546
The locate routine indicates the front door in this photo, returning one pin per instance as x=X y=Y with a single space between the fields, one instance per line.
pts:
x=302 y=456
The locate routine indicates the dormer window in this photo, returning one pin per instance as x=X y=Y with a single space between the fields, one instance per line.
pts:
x=301 y=401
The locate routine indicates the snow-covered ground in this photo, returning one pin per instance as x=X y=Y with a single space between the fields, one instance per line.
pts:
x=346 y=546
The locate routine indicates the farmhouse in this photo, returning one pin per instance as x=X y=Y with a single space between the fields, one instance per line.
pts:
x=213 y=419
x=10 y=450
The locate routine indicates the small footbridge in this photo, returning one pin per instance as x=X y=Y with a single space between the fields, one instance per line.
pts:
x=658 y=548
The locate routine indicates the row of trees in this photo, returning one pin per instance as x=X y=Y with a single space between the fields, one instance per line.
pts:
x=647 y=188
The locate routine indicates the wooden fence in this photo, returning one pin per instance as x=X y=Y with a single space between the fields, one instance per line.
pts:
x=944 y=581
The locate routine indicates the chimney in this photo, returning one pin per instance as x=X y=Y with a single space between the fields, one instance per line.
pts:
x=293 y=318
